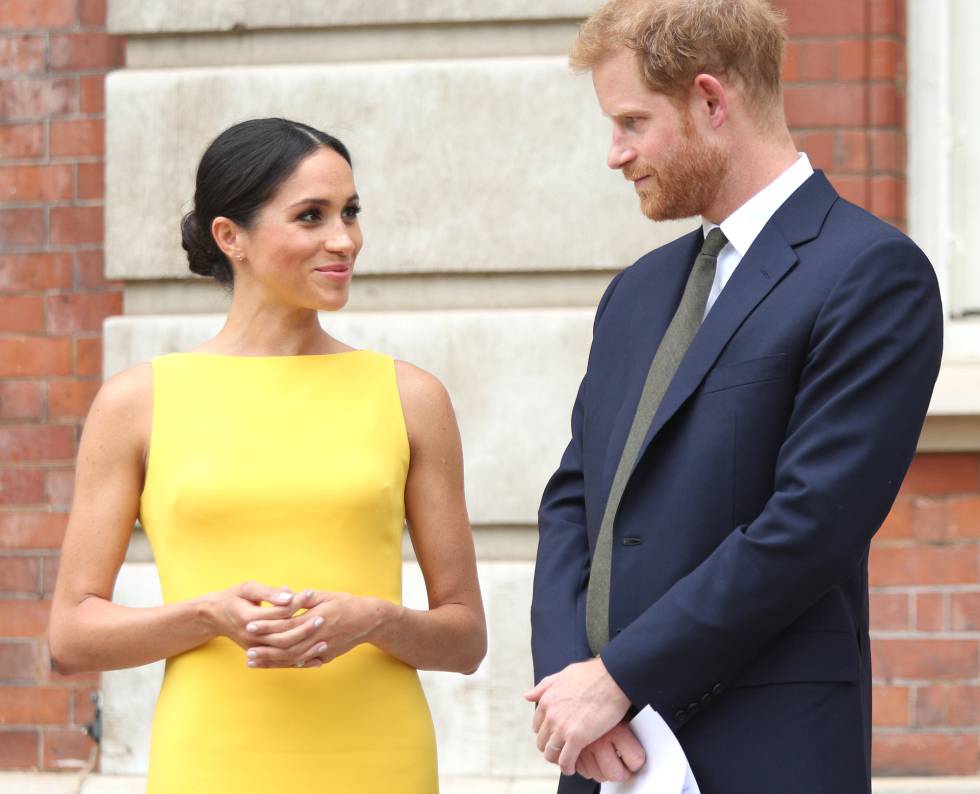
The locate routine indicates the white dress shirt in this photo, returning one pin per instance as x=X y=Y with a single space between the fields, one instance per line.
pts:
x=743 y=226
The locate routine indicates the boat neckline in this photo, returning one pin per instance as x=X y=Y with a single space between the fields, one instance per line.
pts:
x=205 y=354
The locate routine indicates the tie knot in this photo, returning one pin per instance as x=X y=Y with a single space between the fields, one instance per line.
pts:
x=713 y=243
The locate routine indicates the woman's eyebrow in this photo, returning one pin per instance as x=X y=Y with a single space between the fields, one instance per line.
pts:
x=322 y=202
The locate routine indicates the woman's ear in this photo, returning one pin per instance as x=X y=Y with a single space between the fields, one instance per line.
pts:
x=229 y=237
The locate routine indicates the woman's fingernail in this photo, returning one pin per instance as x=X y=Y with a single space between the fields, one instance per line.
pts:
x=283 y=598
x=251 y=663
x=318 y=622
x=308 y=593
x=251 y=627
x=321 y=647
x=252 y=653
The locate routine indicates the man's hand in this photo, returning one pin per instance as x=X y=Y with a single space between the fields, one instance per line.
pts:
x=575 y=707
x=614 y=756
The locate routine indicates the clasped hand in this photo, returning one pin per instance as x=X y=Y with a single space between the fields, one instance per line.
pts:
x=305 y=629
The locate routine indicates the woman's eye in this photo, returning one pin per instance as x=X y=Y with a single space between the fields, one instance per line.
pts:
x=309 y=215
x=352 y=211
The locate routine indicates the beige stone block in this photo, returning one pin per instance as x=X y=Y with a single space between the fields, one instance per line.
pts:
x=512 y=376
x=487 y=165
x=140 y=17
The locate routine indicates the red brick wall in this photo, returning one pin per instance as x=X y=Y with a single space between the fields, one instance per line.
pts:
x=844 y=77
x=53 y=58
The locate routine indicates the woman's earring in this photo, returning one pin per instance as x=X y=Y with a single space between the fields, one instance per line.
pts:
x=240 y=258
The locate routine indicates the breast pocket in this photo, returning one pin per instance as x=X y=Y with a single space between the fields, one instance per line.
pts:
x=741 y=373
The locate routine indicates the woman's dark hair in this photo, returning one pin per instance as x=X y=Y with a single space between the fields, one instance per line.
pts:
x=240 y=171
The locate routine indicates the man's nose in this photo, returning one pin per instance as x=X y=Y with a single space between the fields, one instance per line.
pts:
x=619 y=154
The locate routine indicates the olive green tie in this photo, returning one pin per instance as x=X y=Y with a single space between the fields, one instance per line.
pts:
x=676 y=340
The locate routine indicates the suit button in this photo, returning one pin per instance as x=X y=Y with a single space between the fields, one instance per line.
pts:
x=632 y=541
x=706 y=698
x=617 y=630
x=680 y=715
x=716 y=690
x=693 y=708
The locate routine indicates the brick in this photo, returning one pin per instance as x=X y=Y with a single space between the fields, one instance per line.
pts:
x=21 y=487
x=71 y=398
x=36 y=442
x=81 y=311
x=34 y=706
x=936 y=473
x=88 y=356
x=890 y=706
x=19 y=575
x=852 y=60
x=83 y=711
x=820 y=149
x=929 y=518
x=59 y=487
x=37 y=13
x=34 y=272
x=76 y=225
x=924 y=565
x=90 y=183
x=78 y=138
x=852 y=151
x=90 y=270
x=818 y=60
x=852 y=188
x=964 y=610
x=91 y=93
x=885 y=16
x=924 y=659
x=886 y=59
x=38 y=97
x=21 y=55
x=90 y=50
x=791 y=62
x=930 y=611
x=23 y=183
x=931 y=706
x=19 y=662
x=889 y=611
x=21 y=314
x=898 y=524
x=826 y=18
x=888 y=196
x=964 y=706
x=923 y=754
x=66 y=749
x=963 y=517
x=32 y=530
x=22 y=226
x=831 y=105
x=92 y=12
x=35 y=356
x=20 y=399
x=19 y=749
x=22 y=618
x=21 y=140
x=886 y=109
x=49 y=574
x=888 y=151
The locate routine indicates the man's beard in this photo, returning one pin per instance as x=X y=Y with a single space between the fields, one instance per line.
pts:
x=685 y=185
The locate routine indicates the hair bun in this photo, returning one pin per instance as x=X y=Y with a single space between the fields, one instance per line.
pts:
x=203 y=255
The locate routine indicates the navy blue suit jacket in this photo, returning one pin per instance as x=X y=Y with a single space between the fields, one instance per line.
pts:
x=738 y=605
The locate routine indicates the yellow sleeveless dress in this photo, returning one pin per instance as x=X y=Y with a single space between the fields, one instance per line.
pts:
x=283 y=470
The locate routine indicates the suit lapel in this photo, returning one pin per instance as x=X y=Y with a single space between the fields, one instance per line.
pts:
x=655 y=306
x=764 y=265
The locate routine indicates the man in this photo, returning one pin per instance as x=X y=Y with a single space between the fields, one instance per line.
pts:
x=753 y=398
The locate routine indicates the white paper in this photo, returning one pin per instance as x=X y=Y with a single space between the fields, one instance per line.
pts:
x=666 y=770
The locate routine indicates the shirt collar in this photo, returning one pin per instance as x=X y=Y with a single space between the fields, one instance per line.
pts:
x=743 y=226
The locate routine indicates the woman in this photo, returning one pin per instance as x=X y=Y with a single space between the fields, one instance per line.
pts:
x=275 y=453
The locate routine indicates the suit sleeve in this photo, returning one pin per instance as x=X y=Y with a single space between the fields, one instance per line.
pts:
x=873 y=358
x=561 y=572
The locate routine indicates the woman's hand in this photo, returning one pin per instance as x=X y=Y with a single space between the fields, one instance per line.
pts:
x=332 y=624
x=232 y=610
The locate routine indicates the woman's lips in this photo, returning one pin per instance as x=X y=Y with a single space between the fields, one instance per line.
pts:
x=337 y=272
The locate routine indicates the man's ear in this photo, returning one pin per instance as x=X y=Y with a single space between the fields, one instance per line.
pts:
x=710 y=99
